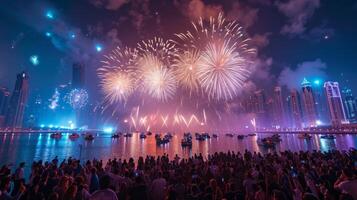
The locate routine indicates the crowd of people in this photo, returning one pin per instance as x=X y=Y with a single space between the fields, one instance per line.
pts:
x=277 y=176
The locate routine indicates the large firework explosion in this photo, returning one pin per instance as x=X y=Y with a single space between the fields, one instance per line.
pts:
x=210 y=63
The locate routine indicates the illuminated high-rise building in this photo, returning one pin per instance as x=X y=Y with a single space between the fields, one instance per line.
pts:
x=350 y=104
x=16 y=107
x=335 y=105
x=4 y=100
x=259 y=108
x=78 y=76
x=320 y=101
x=278 y=109
x=295 y=109
x=308 y=104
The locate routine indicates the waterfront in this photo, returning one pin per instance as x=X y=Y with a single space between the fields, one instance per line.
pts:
x=15 y=148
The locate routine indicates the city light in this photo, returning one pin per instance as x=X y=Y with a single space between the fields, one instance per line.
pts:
x=98 y=47
x=108 y=130
x=34 y=60
x=50 y=14
x=318 y=122
x=317 y=82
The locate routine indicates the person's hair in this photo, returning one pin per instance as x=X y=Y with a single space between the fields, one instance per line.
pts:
x=53 y=196
x=104 y=182
x=348 y=172
x=4 y=182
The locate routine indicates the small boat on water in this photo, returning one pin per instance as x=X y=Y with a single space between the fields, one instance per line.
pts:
x=200 y=137
x=89 y=137
x=74 y=136
x=161 y=141
x=186 y=142
x=128 y=135
x=149 y=133
x=56 y=135
x=142 y=136
x=266 y=143
x=252 y=134
x=229 y=134
x=304 y=136
x=240 y=137
x=330 y=137
x=206 y=135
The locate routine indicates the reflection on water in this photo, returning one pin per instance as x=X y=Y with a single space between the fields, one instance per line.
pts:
x=15 y=148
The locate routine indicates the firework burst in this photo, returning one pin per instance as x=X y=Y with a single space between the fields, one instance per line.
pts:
x=117 y=74
x=78 y=98
x=185 y=69
x=157 y=80
x=222 y=71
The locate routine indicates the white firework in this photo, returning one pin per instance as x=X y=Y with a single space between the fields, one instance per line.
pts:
x=222 y=70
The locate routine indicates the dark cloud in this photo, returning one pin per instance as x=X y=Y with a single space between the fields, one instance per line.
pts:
x=194 y=9
x=317 y=34
x=298 y=12
x=109 y=4
x=244 y=14
x=292 y=78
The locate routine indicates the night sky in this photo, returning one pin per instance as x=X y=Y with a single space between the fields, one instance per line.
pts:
x=295 y=38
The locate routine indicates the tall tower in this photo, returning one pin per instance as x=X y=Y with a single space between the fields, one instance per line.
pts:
x=259 y=108
x=308 y=104
x=320 y=101
x=18 y=100
x=78 y=76
x=278 y=108
x=295 y=109
x=350 y=105
x=4 y=100
x=335 y=105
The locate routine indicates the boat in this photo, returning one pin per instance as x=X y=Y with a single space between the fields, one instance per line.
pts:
x=266 y=143
x=89 y=136
x=229 y=135
x=115 y=136
x=56 y=135
x=142 y=136
x=304 y=136
x=214 y=135
x=240 y=137
x=206 y=135
x=252 y=134
x=160 y=141
x=128 y=135
x=330 y=137
x=149 y=133
x=73 y=136
x=200 y=137
x=186 y=142
x=168 y=136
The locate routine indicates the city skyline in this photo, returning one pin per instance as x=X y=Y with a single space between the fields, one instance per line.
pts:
x=102 y=65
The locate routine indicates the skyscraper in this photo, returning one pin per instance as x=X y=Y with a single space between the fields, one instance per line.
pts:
x=78 y=75
x=295 y=109
x=259 y=108
x=320 y=101
x=18 y=100
x=335 y=105
x=350 y=105
x=4 y=100
x=308 y=104
x=278 y=108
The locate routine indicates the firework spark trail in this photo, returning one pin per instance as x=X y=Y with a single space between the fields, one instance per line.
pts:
x=164 y=50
